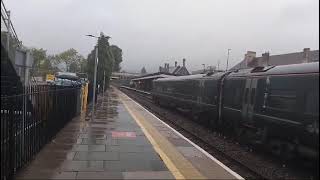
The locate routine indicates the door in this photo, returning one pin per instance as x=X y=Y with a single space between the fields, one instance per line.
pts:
x=201 y=92
x=249 y=100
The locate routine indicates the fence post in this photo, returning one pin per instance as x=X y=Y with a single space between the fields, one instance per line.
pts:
x=11 y=139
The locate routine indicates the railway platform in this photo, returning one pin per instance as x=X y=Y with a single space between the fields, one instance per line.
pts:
x=124 y=141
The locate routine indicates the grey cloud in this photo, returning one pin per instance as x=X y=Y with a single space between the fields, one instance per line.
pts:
x=152 y=32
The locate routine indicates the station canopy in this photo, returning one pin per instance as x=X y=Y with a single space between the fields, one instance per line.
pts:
x=152 y=77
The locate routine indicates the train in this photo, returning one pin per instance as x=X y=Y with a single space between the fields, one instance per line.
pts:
x=276 y=107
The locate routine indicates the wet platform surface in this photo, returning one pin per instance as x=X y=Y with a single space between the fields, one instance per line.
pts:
x=124 y=141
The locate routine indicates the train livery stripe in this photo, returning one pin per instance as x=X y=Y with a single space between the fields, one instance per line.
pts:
x=237 y=176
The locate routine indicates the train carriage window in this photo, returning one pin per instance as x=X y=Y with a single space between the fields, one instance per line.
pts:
x=246 y=96
x=237 y=96
x=228 y=94
x=282 y=100
x=311 y=94
x=312 y=102
x=253 y=93
x=159 y=88
x=283 y=94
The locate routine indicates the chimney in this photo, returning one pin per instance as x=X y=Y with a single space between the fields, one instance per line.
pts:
x=249 y=57
x=306 y=53
x=184 y=62
x=166 y=67
x=265 y=59
x=175 y=64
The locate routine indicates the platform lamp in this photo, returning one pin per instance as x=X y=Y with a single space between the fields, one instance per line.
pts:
x=94 y=77
x=228 y=59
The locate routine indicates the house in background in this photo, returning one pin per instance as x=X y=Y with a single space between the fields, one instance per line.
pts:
x=175 y=70
x=250 y=60
x=144 y=82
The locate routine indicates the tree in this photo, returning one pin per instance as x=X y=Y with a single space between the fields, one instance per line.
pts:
x=84 y=65
x=72 y=59
x=105 y=63
x=53 y=61
x=44 y=64
x=143 y=71
x=41 y=65
x=117 y=53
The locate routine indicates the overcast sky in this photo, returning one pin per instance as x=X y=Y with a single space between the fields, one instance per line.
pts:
x=152 y=32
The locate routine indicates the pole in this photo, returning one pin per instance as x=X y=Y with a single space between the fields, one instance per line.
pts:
x=94 y=83
x=218 y=65
x=9 y=32
x=104 y=81
x=228 y=60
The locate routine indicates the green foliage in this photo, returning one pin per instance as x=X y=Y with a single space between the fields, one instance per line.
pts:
x=105 y=61
x=41 y=63
x=48 y=64
x=117 y=53
x=74 y=61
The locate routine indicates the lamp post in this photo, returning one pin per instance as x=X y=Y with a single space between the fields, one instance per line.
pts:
x=228 y=59
x=94 y=77
x=104 y=80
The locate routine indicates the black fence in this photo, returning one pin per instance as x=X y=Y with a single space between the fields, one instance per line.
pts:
x=32 y=119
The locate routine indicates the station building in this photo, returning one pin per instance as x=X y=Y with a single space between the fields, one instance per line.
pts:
x=144 y=82
x=123 y=78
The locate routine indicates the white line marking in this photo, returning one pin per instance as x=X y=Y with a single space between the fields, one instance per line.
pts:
x=196 y=146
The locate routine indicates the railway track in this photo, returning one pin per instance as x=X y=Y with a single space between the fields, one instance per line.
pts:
x=249 y=164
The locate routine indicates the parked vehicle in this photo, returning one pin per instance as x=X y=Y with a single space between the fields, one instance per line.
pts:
x=67 y=79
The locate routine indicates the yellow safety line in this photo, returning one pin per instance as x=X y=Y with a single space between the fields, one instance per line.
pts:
x=176 y=163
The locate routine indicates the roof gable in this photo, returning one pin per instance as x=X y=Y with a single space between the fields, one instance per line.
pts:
x=281 y=59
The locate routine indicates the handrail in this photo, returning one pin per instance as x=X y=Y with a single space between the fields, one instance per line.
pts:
x=4 y=16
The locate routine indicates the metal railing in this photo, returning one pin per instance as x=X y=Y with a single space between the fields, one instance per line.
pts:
x=31 y=120
x=7 y=26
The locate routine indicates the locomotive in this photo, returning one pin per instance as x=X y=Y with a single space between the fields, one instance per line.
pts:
x=274 y=106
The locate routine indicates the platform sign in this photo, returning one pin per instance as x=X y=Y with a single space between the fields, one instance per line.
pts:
x=50 y=77
x=121 y=134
